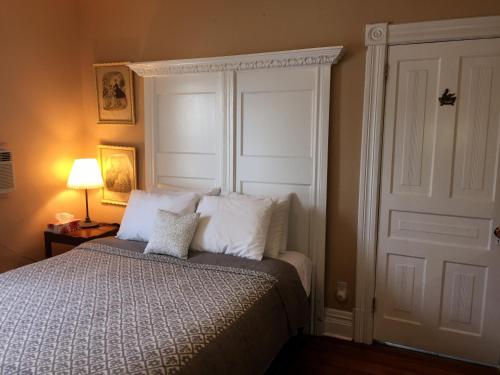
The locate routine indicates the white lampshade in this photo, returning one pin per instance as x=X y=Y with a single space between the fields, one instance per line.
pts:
x=85 y=174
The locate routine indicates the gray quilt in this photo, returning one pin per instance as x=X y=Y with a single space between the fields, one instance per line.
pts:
x=106 y=308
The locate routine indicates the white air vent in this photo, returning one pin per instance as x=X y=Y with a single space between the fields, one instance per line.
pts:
x=6 y=172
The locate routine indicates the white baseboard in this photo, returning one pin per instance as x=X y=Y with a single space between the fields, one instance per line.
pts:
x=338 y=324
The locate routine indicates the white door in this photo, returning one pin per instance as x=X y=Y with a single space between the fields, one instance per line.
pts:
x=438 y=261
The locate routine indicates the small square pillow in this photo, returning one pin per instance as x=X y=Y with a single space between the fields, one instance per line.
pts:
x=172 y=234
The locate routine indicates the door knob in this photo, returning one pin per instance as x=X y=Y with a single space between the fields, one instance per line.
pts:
x=497 y=232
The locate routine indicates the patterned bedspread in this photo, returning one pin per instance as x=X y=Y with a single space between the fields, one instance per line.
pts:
x=102 y=309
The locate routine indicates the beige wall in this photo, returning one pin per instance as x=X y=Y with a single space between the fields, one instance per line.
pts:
x=40 y=119
x=120 y=30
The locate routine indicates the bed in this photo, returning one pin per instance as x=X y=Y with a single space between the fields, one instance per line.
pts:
x=250 y=124
x=105 y=307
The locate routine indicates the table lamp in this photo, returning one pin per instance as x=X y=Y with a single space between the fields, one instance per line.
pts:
x=85 y=174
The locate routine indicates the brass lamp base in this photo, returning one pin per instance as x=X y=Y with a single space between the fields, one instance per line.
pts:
x=87 y=223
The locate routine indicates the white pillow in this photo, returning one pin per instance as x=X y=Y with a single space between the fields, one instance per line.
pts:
x=138 y=220
x=279 y=225
x=232 y=225
x=277 y=236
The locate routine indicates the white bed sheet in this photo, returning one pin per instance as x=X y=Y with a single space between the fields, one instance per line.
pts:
x=302 y=264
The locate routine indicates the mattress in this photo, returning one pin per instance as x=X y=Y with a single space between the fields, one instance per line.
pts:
x=105 y=307
x=302 y=264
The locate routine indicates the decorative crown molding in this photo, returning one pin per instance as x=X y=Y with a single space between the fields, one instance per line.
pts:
x=282 y=59
x=376 y=34
x=447 y=30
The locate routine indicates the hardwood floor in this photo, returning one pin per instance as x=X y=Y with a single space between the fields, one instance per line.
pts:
x=324 y=355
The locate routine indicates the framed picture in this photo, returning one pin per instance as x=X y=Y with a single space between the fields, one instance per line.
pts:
x=118 y=172
x=115 y=93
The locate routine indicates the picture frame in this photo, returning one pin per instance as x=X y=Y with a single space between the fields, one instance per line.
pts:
x=115 y=93
x=118 y=168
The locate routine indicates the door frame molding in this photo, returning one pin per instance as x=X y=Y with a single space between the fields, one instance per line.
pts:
x=378 y=37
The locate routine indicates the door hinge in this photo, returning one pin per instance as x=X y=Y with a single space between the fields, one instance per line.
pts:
x=373 y=304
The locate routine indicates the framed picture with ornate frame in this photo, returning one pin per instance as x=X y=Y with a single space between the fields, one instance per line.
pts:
x=115 y=93
x=118 y=168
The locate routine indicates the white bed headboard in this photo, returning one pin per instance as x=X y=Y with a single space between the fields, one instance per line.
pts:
x=255 y=124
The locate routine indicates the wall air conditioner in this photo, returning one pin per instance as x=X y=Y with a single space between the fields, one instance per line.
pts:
x=6 y=172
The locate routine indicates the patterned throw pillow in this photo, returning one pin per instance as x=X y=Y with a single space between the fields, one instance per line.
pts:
x=172 y=234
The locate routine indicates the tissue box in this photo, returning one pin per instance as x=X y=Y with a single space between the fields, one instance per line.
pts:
x=61 y=228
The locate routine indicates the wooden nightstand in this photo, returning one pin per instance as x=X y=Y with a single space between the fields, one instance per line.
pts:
x=79 y=236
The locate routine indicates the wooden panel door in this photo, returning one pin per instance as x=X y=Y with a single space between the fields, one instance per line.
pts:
x=438 y=261
x=275 y=128
x=188 y=130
